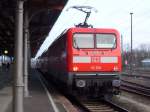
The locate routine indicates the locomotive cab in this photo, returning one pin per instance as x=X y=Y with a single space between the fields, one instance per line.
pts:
x=94 y=58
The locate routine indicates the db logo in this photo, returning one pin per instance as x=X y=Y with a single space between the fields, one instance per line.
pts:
x=95 y=59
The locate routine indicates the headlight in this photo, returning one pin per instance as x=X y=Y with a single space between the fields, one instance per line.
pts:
x=116 y=68
x=75 y=68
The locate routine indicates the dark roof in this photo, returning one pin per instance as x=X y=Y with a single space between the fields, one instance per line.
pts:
x=42 y=14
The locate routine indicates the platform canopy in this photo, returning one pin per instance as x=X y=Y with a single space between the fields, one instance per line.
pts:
x=42 y=16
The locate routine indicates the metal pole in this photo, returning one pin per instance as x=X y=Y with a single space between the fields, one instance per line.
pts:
x=18 y=65
x=122 y=53
x=131 y=47
x=29 y=56
x=122 y=44
x=26 y=37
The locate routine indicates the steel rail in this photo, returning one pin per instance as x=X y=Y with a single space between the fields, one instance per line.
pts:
x=100 y=106
x=138 y=76
x=135 y=84
x=135 y=88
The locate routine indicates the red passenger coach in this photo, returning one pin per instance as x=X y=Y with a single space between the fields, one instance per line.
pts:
x=85 y=59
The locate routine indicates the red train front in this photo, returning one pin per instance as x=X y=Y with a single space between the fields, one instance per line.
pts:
x=93 y=50
x=85 y=59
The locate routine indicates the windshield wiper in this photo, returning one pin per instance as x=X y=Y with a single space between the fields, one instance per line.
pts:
x=75 y=43
x=114 y=45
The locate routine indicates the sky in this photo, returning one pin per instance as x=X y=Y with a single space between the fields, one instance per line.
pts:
x=111 y=14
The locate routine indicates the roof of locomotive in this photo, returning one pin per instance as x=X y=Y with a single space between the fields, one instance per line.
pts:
x=80 y=29
x=85 y=30
x=103 y=30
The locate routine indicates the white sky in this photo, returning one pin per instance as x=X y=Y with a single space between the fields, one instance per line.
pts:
x=111 y=14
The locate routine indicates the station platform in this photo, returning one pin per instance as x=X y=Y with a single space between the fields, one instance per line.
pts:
x=38 y=100
x=5 y=88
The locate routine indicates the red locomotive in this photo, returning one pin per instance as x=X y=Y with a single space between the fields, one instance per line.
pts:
x=85 y=59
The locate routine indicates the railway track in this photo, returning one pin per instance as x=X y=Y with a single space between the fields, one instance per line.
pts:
x=90 y=105
x=135 y=88
x=139 y=73
x=101 y=106
x=137 y=76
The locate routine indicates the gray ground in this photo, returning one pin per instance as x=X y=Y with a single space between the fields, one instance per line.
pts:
x=5 y=88
x=132 y=102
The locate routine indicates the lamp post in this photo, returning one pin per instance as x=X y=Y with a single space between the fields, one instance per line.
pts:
x=5 y=54
x=131 y=47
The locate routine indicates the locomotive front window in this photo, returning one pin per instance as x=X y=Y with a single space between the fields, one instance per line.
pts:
x=105 y=41
x=83 y=41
